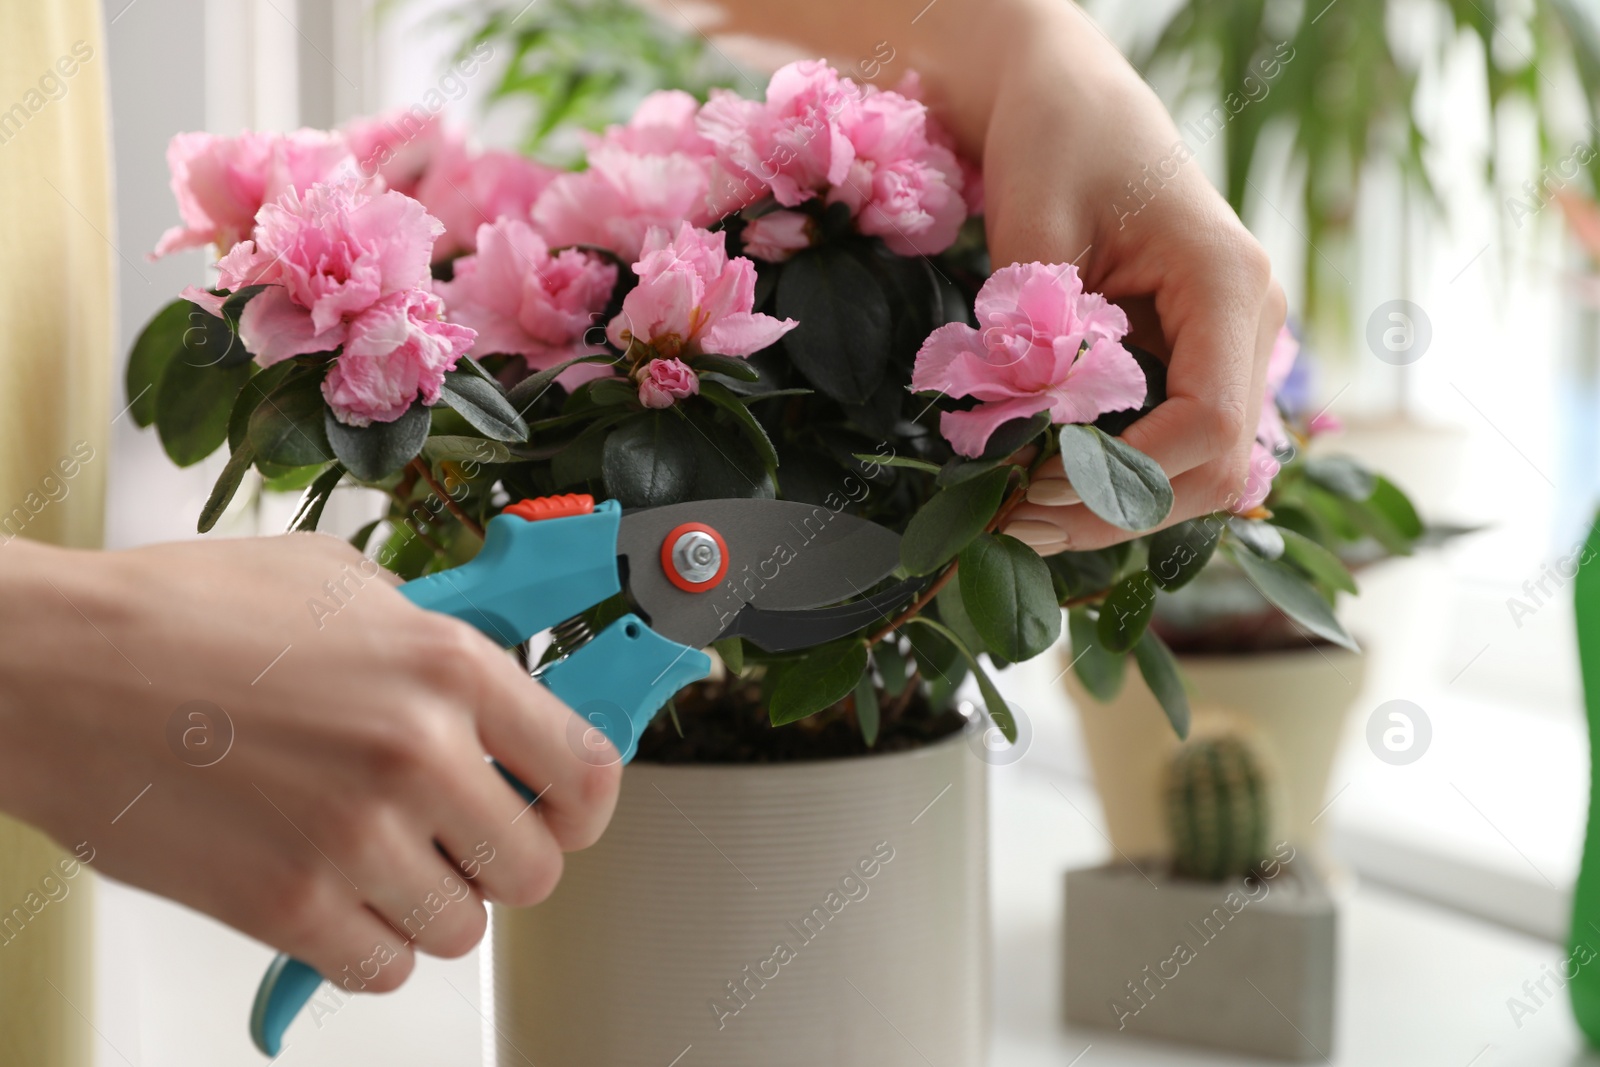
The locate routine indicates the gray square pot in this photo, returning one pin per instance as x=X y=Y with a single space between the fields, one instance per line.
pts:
x=1246 y=965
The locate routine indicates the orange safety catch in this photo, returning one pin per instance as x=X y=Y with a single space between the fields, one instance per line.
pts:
x=552 y=507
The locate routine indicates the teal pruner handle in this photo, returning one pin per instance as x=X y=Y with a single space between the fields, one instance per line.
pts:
x=1584 y=987
x=528 y=577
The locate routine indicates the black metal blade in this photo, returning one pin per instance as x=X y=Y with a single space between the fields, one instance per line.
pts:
x=782 y=556
x=784 y=631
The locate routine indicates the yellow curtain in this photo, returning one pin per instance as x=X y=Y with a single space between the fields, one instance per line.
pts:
x=56 y=316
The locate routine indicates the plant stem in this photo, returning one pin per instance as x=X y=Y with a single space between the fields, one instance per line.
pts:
x=462 y=517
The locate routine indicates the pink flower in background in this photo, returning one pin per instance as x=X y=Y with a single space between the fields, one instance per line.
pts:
x=396 y=351
x=398 y=146
x=692 y=298
x=1270 y=428
x=521 y=299
x=902 y=186
x=464 y=190
x=1272 y=436
x=777 y=235
x=1044 y=345
x=222 y=182
x=621 y=198
x=665 y=382
x=794 y=144
x=654 y=171
x=327 y=256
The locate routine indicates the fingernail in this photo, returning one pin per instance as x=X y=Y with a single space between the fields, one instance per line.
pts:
x=1034 y=533
x=1053 y=492
x=1050 y=549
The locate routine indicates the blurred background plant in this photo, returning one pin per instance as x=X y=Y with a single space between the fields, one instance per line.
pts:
x=576 y=65
x=1349 y=100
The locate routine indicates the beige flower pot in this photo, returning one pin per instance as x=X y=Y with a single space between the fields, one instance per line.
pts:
x=793 y=914
x=1291 y=704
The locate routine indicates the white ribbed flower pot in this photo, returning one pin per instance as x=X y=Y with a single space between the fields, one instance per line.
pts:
x=829 y=912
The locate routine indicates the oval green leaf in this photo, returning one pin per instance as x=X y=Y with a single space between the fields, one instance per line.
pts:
x=949 y=521
x=1006 y=590
x=825 y=676
x=1117 y=482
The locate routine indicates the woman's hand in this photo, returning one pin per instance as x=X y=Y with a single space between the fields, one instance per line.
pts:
x=1082 y=164
x=267 y=731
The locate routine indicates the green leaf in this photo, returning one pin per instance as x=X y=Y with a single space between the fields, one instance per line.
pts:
x=309 y=513
x=867 y=708
x=227 y=485
x=1100 y=671
x=374 y=451
x=192 y=406
x=731 y=650
x=275 y=479
x=825 y=676
x=909 y=463
x=953 y=613
x=287 y=425
x=523 y=395
x=1387 y=516
x=259 y=385
x=483 y=405
x=724 y=465
x=359 y=539
x=1323 y=566
x=723 y=397
x=842 y=341
x=1117 y=482
x=1003 y=443
x=1181 y=551
x=1006 y=589
x=1086 y=573
x=892 y=667
x=999 y=710
x=729 y=366
x=442 y=447
x=1262 y=538
x=611 y=392
x=210 y=341
x=950 y=520
x=1126 y=611
x=158 y=342
x=1160 y=671
x=1297 y=598
x=650 y=460
x=1342 y=475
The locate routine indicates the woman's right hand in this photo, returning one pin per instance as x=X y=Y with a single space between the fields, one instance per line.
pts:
x=266 y=731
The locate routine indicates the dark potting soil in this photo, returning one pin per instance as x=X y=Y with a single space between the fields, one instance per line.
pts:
x=727 y=723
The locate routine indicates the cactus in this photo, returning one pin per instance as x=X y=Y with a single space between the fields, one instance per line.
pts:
x=1217 y=812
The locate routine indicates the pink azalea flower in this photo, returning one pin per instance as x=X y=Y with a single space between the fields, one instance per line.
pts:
x=328 y=256
x=521 y=299
x=665 y=382
x=902 y=186
x=1258 y=483
x=1045 y=345
x=691 y=298
x=222 y=182
x=1280 y=363
x=396 y=351
x=1324 y=423
x=1272 y=436
x=654 y=171
x=397 y=147
x=794 y=144
x=465 y=190
x=777 y=235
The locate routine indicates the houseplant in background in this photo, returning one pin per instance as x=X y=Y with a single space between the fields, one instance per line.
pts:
x=1149 y=947
x=1276 y=665
x=1348 y=94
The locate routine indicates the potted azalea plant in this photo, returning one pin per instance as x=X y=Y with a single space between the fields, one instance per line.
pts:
x=786 y=298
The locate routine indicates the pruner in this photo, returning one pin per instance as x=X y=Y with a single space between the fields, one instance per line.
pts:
x=780 y=574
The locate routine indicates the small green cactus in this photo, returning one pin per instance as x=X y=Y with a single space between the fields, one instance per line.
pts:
x=1216 y=809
